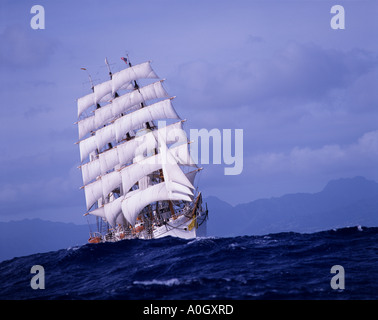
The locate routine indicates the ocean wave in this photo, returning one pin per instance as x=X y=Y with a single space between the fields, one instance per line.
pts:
x=169 y=282
x=276 y=266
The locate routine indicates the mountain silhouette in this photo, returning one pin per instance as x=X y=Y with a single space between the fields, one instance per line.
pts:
x=342 y=203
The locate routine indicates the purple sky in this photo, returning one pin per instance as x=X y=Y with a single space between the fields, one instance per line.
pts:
x=306 y=95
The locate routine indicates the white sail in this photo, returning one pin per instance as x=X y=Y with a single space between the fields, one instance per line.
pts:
x=124 y=103
x=104 y=135
x=136 y=171
x=173 y=133
x=119 y=106
x=84 y=103
x=147 y=145
x=153 y=91
x=125 y=76
x=101 y=187
x=182 y=155
x=128 y=176
x=85 y=126
x=107 y=98
x=131 y=206
x=102 y=115
x=172 y=172
x=102 y=90
x=125 y=152
x=117 y=130
x=144 y=182
x=99 y=212
x=109 y=211
x=92 y=192
x=156 y=111
x=108 y=160
x=110 y=181
x=90 y=171
x=134 y=161
x=120 y=80
x=131 y=174
x=112 y=210
x=87 y=146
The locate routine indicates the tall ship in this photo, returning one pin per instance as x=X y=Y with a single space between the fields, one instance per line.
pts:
x=138 y=174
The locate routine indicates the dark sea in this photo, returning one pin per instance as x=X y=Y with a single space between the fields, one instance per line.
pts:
x=275 y=266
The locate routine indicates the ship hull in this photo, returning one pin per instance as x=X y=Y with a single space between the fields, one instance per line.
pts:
x=180 y=226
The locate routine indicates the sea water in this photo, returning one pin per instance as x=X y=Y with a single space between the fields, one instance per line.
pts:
x=275 y=266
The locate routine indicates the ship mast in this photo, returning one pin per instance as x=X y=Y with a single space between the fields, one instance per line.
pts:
x=136 y=87
x=120 y=181
x=98 y=221
x=110 y=72
x=149 y=127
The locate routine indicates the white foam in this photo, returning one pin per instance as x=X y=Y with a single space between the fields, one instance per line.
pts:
x=169 y=282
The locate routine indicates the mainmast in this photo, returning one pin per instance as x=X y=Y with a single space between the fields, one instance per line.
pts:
x=136 y=87
x=127 y=61
x=96 y=152
x=148 y=126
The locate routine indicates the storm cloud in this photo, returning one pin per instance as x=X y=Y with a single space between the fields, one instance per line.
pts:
x=304 y=94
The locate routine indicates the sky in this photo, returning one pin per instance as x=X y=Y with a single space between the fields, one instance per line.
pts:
x=304 y=94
